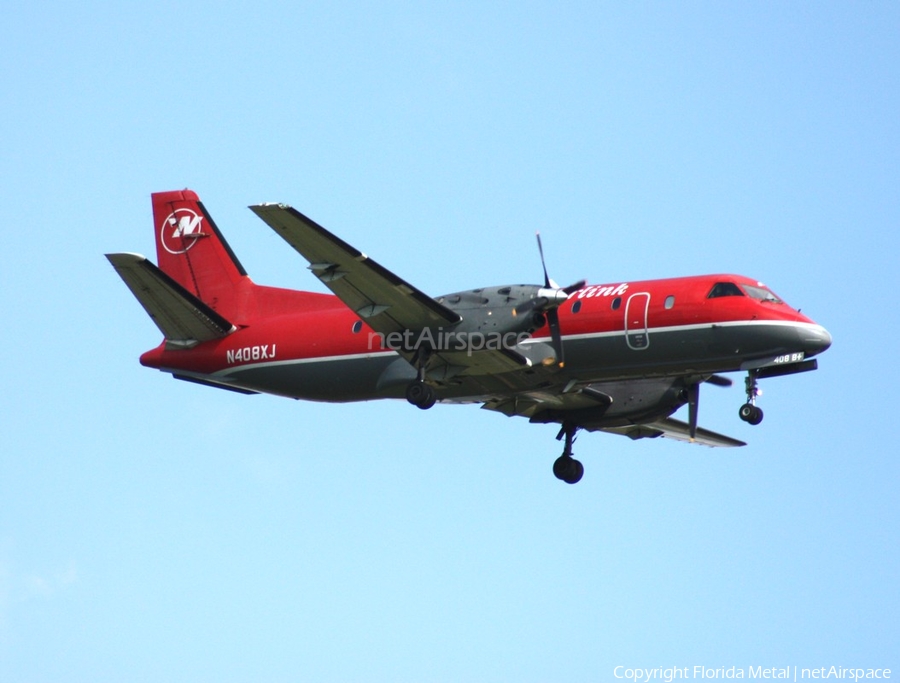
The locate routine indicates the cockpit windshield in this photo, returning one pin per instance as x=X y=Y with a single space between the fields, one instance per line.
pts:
x=762 y=294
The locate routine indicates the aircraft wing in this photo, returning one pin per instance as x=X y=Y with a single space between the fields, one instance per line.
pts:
x=672 y=429
x=386 y=302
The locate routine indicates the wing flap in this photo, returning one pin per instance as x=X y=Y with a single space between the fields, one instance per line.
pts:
x=674 y=429
x=387 y=302
x=183 y=319
x=445 y=365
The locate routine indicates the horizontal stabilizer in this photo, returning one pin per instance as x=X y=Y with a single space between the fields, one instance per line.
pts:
x=183 y=319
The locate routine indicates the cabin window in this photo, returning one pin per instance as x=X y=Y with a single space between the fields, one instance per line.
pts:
x=576 y=307
x=670 y=301
x=724 y=289
x=357 y=326
x=616 y=303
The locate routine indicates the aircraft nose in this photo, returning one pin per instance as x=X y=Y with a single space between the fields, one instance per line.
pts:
x=816 y=339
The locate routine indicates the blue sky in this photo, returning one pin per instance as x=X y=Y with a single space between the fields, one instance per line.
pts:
x=156 y=530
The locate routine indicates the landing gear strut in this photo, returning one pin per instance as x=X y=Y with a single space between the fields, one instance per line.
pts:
x=566 y=468
x=750 y=412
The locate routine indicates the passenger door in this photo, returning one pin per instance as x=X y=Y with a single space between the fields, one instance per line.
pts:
x=636 y=331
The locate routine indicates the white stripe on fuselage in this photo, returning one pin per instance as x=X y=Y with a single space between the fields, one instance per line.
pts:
x=225 y=372
x=300 y=361
x=683 y=328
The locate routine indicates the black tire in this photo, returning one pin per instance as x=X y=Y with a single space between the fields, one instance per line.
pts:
x=420 y=395
x=414 y=392
x=576 y=472
x=560 y=467
x=429 y=400
x=757 y=416
x=568 y=469
x=747 y=411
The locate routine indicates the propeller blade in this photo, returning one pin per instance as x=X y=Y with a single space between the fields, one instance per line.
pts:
x=552 y=300
x=693 y=405
x=719 y=381
x=539 y=303
x=555 y=336
x=547 y=282
x=574 y=287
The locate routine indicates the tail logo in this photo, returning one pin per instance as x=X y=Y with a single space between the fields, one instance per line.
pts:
x=180 y=230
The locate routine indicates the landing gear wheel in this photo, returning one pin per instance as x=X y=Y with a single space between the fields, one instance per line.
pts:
x=565 y=467
x=421 y=395
x=568 y=469
x=751 y=414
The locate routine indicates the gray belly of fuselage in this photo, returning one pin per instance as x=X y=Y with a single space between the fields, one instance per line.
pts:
x=680 y=351
x=597 y=358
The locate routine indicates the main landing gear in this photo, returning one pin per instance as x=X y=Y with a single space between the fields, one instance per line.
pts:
x=420 y=394
x=566 y=468
x=750 y=412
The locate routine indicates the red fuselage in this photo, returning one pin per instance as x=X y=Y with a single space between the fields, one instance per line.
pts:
x=615 y=331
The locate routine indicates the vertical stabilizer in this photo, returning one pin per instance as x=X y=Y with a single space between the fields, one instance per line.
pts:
x=191 y=250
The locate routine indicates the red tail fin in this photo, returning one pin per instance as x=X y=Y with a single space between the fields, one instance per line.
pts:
x=191 y=250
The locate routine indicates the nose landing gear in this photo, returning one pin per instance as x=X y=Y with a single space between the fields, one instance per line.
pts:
x=750 y=412
x=566 y=468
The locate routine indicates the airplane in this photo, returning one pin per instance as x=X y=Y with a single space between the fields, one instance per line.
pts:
x=618 y=358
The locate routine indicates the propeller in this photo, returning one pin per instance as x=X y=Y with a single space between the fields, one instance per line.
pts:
x=555 y=295
x=547 y=281
x=693 y=399
x=719 y=381
x=693 y=392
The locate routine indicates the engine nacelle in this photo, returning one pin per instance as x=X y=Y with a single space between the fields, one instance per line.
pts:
x=516 y=309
